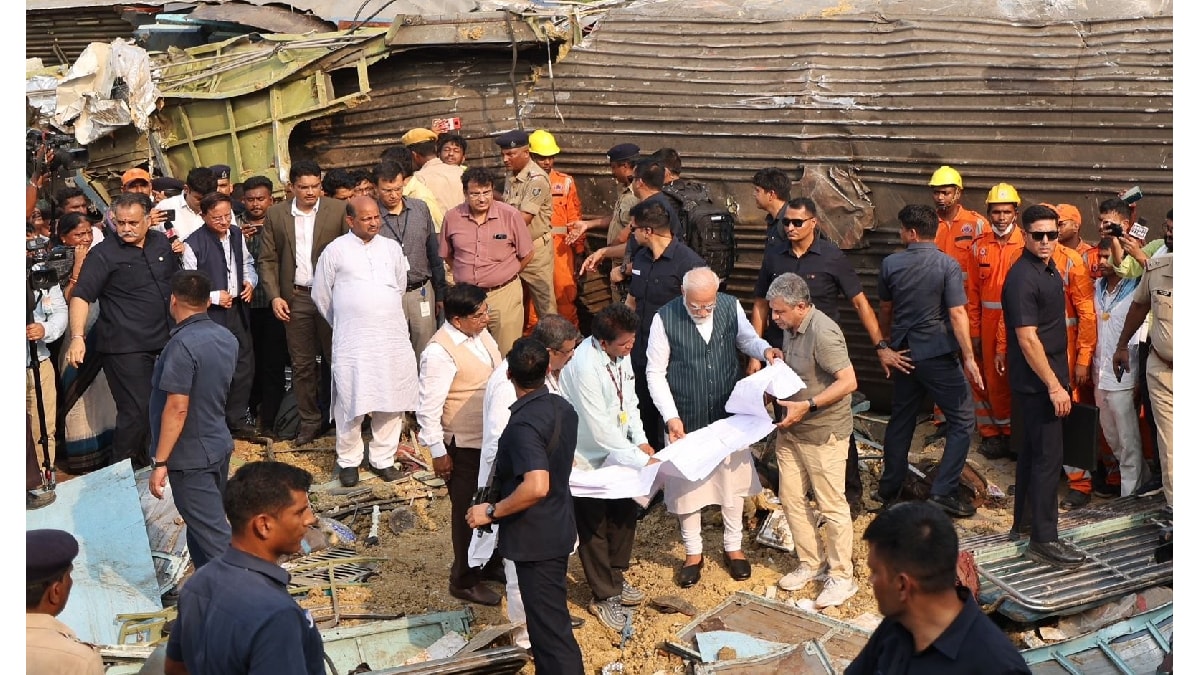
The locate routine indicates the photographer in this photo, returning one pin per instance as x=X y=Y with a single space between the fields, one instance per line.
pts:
x=47 y=323
x=186 y=214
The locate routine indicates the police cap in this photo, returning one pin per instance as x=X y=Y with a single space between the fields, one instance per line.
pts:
x=221 y=171
x=48 y=553
x=623 y=152
x=510 y=140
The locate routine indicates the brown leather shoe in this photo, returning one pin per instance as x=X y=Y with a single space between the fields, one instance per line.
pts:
x=307 y=435
x=478 y=594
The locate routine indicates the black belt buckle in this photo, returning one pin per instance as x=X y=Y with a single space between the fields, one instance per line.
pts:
x=413 y=287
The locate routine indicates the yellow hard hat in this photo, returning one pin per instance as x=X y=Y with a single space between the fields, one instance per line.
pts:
x=542 y=143
x=945 y=176
x=1003 y=193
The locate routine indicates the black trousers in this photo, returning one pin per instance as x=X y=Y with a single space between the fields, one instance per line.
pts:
x=270 y=360
x=462 y=483
x=238 y=399
x=199 y=495
x=943 y=379
x=1039 y=463
x=606 y=530
x=129 y=378
x=309 y=336
x=543 y=586
x=652 y=422
x=1147 y=410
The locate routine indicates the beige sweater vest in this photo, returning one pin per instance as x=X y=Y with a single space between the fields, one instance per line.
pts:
x=462 y=414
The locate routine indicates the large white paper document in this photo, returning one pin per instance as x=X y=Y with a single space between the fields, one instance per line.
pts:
x=694 y=456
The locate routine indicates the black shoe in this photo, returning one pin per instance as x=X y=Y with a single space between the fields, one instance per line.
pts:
x=994 y=447
x=576 y=622
x=1054 y=553
x=390 y=475
x=348 y=476
x=306 y=436
x=953 y=505
x=939 y=431
x=478 y=594
x=689 y=575
x=1018 y=533
x=1106 y=491
x=245 y=432
x=1074 y=500
x=1149 y=488
x=885 y=501
x=739 y=568
x=494 y=573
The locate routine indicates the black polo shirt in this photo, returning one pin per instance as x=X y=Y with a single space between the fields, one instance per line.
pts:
x=654 y=283
x=133 y=286
x=236 y=617
x=198 y=361
x=922 y=283
x=677 y=230
x=825 y=269
x=1033 y=296
x=970 y=644
x=775 y=230
x=545 y=530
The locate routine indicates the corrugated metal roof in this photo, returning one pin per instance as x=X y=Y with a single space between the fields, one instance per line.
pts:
x=1068 y=101
x=54 y=34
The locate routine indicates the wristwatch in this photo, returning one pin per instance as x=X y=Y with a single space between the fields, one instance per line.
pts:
x=158 y=464
x=882 y=344
x=491 y=511
x=812 y=405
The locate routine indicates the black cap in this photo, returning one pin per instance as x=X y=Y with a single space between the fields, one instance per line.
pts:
x=513 y=139
x=164 y=183
x=623 y=152
x=48 y=553
x=221 y=171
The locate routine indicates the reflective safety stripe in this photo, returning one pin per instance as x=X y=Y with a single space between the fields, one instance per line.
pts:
x=558 y=230
x=1072 y=322
x=992 y=305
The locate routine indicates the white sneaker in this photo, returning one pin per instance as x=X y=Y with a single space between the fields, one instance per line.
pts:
x=836 y=592
x=798 y=578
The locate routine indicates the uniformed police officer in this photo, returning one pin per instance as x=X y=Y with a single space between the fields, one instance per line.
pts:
x=527 y=189
x=50 y=646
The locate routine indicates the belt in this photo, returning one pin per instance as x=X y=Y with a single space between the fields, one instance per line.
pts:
x=302 y=289
x=419 y=284
x=489 y=289
x=992 y=305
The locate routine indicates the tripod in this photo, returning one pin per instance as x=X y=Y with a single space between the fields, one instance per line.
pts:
x=35 y=368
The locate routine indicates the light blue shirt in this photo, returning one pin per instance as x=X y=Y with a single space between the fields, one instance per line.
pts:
x=604 y=396
x=51 y=312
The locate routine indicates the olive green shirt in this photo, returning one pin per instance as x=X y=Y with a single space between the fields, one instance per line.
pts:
x=817 y=351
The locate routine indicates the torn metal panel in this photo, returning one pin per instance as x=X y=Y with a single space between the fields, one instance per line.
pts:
x=166 y=531
x=107 y=88
x=391 y=643
x=344 y=565
x=1136 y=645
x=499 y=661
x=1120 y=560
x=269 y=18
x=114 y=573
x=475 y=28
x=775 y=621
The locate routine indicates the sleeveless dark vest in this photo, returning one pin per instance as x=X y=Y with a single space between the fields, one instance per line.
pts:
x=210 y=259
x=701 y=374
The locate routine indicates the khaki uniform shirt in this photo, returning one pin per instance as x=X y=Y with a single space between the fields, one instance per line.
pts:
x=51 y=648
x=1156 y=290
x=816 y=351
x=529 y=192
x=621 y=217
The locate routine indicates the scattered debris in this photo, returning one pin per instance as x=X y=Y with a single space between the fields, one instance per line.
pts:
x=727 y=645
x=671 y=604
x=1136 y=645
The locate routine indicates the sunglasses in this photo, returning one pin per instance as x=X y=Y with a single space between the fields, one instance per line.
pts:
x=1042 y=236
x=796 y=222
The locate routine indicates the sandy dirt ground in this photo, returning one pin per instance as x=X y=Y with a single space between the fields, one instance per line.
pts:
x=413 y=578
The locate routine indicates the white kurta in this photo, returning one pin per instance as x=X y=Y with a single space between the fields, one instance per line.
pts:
x=735 y=477
x=359 y=288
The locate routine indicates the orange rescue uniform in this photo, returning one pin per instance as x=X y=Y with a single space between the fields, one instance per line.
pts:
x=954 y=237
x=567 y=209
x=990 y=261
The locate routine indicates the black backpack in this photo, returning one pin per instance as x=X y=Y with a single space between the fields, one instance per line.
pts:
x=708 y=228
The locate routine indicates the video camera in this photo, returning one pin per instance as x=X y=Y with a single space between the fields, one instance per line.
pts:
x=45 y=267
x=68 y=155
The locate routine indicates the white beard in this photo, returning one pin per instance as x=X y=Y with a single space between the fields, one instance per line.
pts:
x=701 y=322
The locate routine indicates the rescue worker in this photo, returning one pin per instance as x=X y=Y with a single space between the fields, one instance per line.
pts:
x=1069 y=222
x=992 y=254
x=567 y=209
x=1081 y=344
x=958 y=226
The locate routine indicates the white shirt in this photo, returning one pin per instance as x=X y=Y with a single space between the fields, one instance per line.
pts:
x=51 y=312
x=248 y=271
x=497 y=399
x=437 y=374
x=305 y=224
x=658 y=355
x=604 y=396
x=1108 y=332
x=186 y=220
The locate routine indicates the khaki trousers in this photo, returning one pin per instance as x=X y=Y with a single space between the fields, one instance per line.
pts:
x=823 y=469
x=538 y=276
x=1160 y=383
x=49 y=402
x=506 y=315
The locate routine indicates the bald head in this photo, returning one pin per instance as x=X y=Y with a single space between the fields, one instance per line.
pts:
x=362 y=217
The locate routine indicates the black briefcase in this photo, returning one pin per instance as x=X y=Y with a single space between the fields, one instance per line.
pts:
x=1081 y=434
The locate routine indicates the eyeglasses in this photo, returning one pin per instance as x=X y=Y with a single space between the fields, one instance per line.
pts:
x=701 y=308
x=567 y=352
x=390 y=191
x=1042 y=236
x=221 y=219
x=796 y=222
x=479 y=195
x=480 y=315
